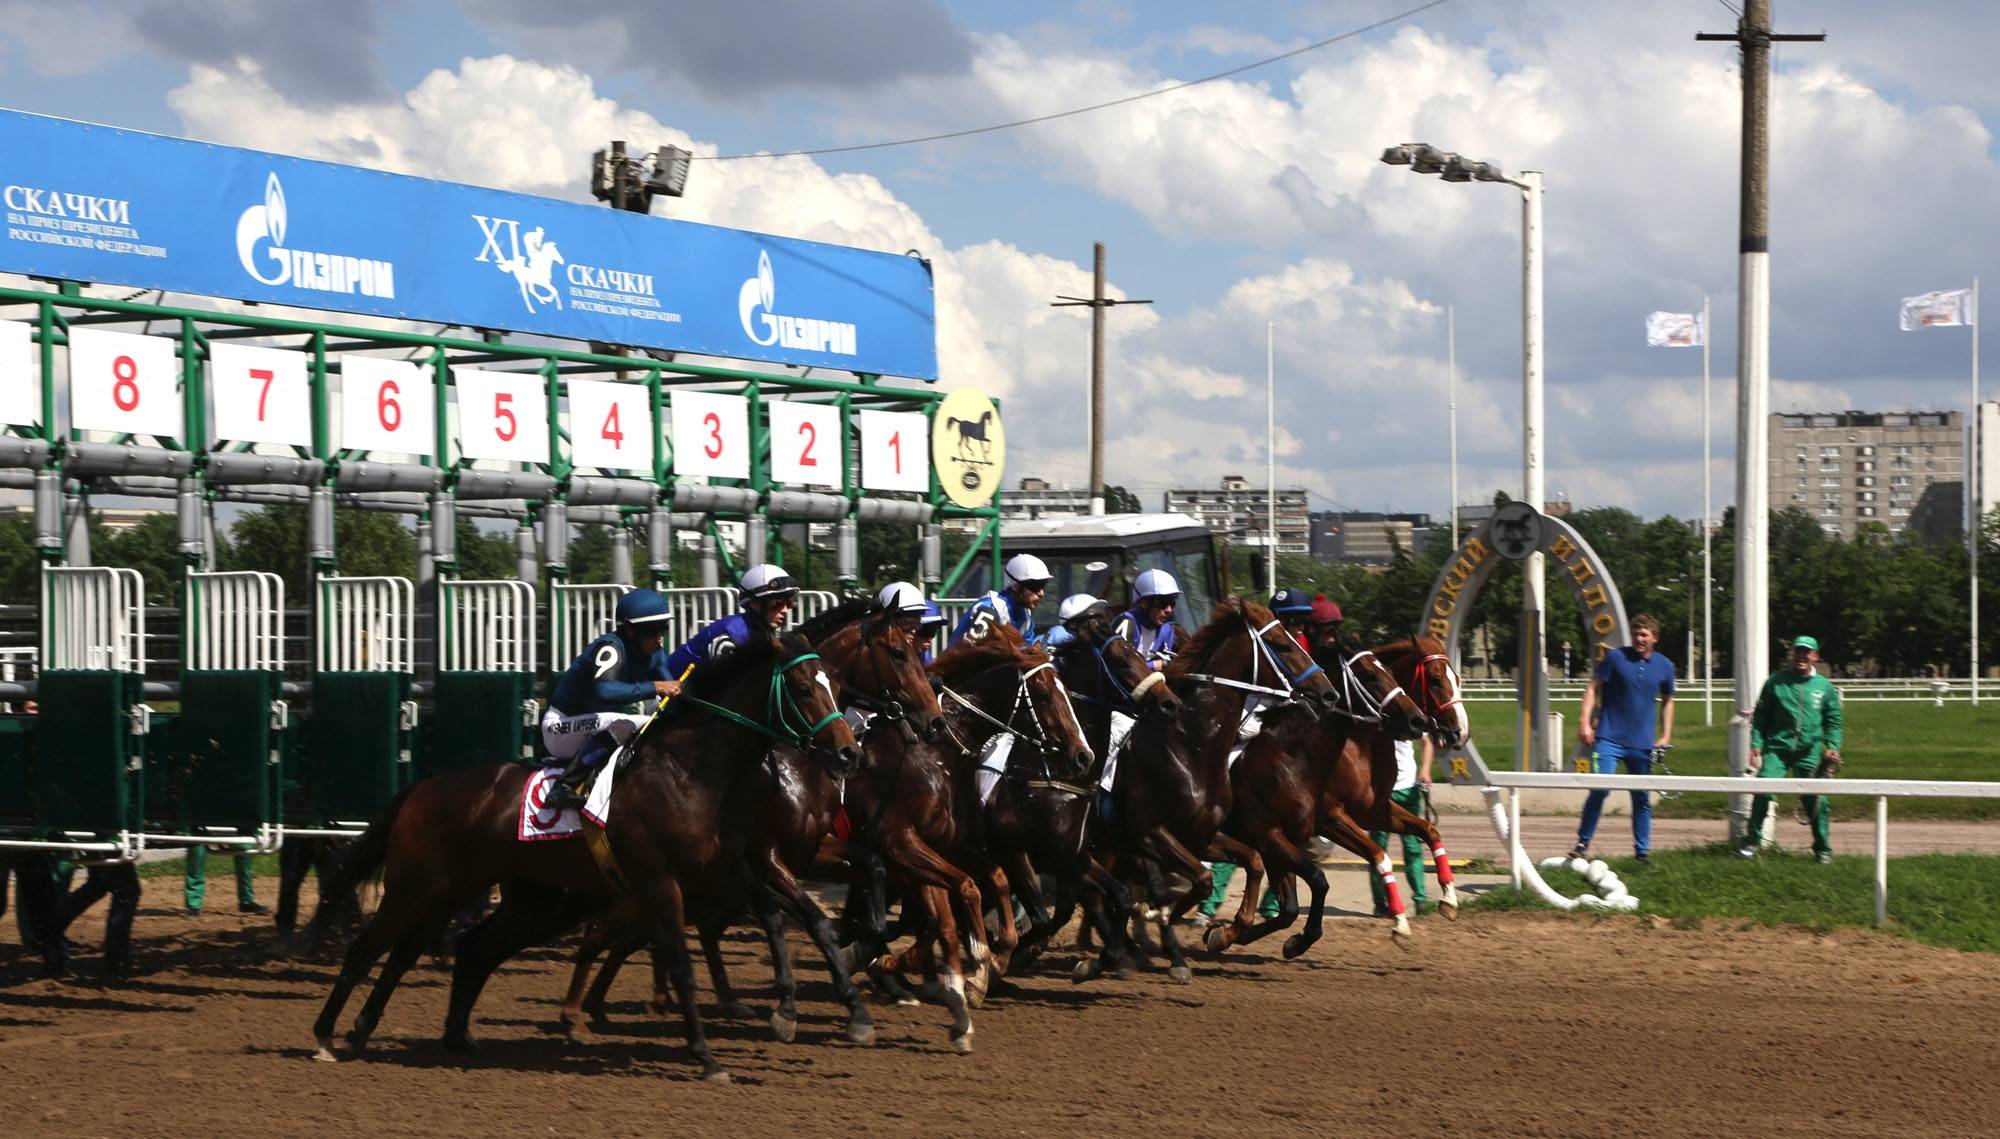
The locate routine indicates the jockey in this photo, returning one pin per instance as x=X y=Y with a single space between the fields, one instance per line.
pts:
x=586 y=720
x=1323 y=622
x=907 y=602
x=1149 y=624
x=766 y=596
x=1293 y=607
x=1075 y=607
x=1027 y=581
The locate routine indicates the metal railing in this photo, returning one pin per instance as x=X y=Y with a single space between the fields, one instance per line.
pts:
x=578 y=615
x=1910 y=690
x=93 y=617
x=811 y=603
x=366 y=624
x=694 y=608
x=486 y=626
x=234 y=621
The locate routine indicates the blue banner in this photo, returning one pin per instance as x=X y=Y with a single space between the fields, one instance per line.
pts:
x=97 y=204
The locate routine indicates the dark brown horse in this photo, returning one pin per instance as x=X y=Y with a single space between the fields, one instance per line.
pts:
x=1172 y=792
x=680 y=812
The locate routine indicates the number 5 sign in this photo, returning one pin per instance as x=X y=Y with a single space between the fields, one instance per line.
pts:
x=121 y=381
x=502 y=415
x=610 y=425
x=894 y=451
x=385 y=405
x=805 y=443
x=711 y=435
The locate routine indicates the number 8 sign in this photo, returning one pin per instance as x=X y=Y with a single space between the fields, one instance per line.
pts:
x=121 y=381
x=385 y=405
x=805 y=443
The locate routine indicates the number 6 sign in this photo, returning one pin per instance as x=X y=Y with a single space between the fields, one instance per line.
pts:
x=711 y=435
x=610 y=425
x=121 y=381
x=805 y=443
x=502 y=415
x=385 y=405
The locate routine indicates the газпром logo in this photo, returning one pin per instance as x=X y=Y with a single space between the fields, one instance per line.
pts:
x=300 y=268
x=807 y=334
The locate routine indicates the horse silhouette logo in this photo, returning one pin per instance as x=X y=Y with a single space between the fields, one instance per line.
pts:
x=974 y=444
x=1517 y=530
x=533 y=267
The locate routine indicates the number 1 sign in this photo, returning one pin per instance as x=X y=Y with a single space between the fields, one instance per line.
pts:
x=385 y=405
x=711 y=435
x=895 y=451
x=805 y=443
x=502 y=415
x=261 y=395
x=20 y=395
x=121 y=381
x=610 y=425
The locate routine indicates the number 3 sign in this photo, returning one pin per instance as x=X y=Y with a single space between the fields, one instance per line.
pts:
x=805 y=443
x=121 y=381
x=711 y=435
x=385 y=405
x=502 y=415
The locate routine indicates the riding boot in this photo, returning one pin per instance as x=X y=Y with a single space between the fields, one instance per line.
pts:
x=566 y=792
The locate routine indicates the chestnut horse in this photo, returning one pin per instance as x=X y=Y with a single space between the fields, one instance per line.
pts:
x=680 y=812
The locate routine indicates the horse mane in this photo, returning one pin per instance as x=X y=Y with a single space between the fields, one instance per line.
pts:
x=1216 y=632
x=819 y=628
x=1002 y=645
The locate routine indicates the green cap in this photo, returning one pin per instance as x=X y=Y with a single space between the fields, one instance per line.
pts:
x=1805 y=643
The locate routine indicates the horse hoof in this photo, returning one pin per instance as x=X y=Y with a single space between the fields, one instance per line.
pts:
x=1216 y=939
x=962 y=1044
x=717 y=1075
x=1449 y=910
x=975 y=988
x=1127 y=969
x=784 y=1027
x=1088 y=969
x=325 y=1053
x=357 y=1043
x=576 y=1032
x=735 y=1010
x=1181 y=975
x=1295 y=945
x=461 y=1043
x=860 y=1032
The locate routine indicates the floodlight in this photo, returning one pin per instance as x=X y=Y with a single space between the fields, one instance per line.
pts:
x=1429 y=160
x=1398 y=155
x=670 y=172
x=1459 y=168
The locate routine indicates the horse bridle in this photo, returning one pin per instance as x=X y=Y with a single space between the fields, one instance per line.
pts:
x=781 y=701
x=1428 y=702
x=1265 y=653
x=1042 y=739
x=1128 y=698
x=880 y=705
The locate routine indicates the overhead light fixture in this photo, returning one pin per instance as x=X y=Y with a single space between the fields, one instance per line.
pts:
x=1429 y=160
x=1399 y=155
x=670 y=171
x=1490 y=172
x=1459 y=168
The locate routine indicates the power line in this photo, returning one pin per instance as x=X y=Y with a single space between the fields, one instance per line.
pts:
x=1167 y=90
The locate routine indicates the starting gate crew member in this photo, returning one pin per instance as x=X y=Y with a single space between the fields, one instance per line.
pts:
x=766 y=595
x=1149 y=624
x=1027 y=581
x=1624 y=686
x=1796 y=731
x=586 y=719
x=1413 y=783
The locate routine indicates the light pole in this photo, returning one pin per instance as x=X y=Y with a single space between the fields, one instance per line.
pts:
x=1422 y=158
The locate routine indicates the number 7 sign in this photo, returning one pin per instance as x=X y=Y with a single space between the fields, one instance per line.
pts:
x=610 y=425
x=502 y=415
x=261 y=395
x=805 y=443
x=895 y=451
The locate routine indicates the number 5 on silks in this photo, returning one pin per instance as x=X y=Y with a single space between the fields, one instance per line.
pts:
x=385 y=405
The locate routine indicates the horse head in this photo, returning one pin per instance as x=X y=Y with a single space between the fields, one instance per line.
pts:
x=1370 y=690
x=1244 y=645
x=809 y=704
x=1423 y=667
x=1119 y=666
x=877 y=665
x=1052 y=717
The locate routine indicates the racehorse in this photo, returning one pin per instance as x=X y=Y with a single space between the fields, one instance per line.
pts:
x=680 y=810
x=1171 y=793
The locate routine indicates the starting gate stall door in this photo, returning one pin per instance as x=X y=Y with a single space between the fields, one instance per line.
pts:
x=811 y=603
x=953 y=608
x=483 y=705
x=229 y=780
x=578 y=615
x=89 y=780
x=695 y=609
x=362 y=714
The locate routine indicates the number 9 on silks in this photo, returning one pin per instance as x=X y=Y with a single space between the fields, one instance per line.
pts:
x=587 y=717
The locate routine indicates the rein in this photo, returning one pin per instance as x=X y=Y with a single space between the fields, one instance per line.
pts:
x=779 y=699
x=1264 y=654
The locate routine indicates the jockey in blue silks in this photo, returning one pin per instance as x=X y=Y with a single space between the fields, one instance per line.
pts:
x=1149 y=624
x=1027 y=581
x=586 y=718
x=766 y=595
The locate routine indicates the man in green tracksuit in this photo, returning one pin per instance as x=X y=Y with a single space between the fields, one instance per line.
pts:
x=1795 y=731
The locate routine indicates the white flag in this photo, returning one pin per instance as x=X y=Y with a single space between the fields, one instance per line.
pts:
x=1953 y=306
x=1676 y=330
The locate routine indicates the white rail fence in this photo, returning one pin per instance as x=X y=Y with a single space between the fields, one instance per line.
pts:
x=489 y=626
x=234 y=620
x=94 y=617
x=366 y=624
x=1911 y=690
x=1510 y=784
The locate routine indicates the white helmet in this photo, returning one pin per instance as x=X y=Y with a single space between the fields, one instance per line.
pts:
x=1155 y=583
x=765 y=581
x=1026 y=567
x=901 y=597
x=1076 y=605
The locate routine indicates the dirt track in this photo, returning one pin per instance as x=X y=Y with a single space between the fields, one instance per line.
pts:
x=1493 y=1025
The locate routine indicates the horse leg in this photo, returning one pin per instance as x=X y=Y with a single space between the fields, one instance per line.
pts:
x=916 y=861
x=992 y=890
x=1405 y=821
x=528 y=913
x=662 y=898
x=1166 y=848
x=864 y=920
x=403 y=955
x=784 y=1017
x=1238 y=929
x=1105 y=904
x=727 y=1005
x=400 y=912
x=1342 y=829
x=1028 y=886
x=952 y=993
x=627 y=939
x=595 y=940
x=783 y=889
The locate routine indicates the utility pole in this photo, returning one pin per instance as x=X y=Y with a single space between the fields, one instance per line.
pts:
x=1753 y=389
x=1097 y=303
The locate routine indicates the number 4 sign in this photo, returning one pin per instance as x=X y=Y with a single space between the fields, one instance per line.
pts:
x=610 y=425
x=895 y=451
x=805 y=443
x=385 y=405
x=711 y=435
x=121 y=381
x=502 y=415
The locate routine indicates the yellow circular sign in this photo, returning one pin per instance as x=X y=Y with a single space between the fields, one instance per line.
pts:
x=968 y=447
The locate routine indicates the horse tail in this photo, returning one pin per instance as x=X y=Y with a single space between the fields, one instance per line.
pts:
x=338 y=899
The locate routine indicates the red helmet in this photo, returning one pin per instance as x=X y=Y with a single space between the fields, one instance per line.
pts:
x=1324 y=612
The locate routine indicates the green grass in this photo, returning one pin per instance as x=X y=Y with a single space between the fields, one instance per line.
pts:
x=221 y=864
x=1883 y=741
x=1951 y=900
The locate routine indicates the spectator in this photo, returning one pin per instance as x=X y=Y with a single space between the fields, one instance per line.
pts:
x=1413 y=784
x=121 y=881
x=195 y=887
x=1795 y=731
x=1617 y=721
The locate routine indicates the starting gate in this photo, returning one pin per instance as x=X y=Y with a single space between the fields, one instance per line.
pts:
x=362 y=711
x=485 y=671
x=229 y=774
x=578 y=615
x=90 y=780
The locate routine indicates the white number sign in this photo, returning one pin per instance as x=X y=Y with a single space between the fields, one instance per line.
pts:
x=385 y=405
x=261 y=395
x=20 y=394
x=805 y=443
x=711 y=435
x=610 y=425
x=502 y=415
x=895 y=451
x=121 y=381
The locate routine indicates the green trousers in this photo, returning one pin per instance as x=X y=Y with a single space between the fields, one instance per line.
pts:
x=1411 y=799
x=1819 y=808
x=1223 y=872
x=194 y=889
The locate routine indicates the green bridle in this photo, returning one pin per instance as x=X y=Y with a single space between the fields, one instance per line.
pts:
x=786 y=708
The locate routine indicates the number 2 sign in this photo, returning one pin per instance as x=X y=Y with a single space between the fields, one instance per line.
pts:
x=805 y=443
x=261 y=395
x=122 y=381
x=610 y=425
x=711 y=435
x=502 y=415
x=895 y=451
x=385 y=405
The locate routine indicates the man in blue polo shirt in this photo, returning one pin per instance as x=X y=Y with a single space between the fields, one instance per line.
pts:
x=1617 y=720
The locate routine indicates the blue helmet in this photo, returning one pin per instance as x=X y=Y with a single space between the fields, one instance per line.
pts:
x=1287 y=602
x=643 y=607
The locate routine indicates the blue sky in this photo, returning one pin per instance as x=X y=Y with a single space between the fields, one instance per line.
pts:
x=1251 y=199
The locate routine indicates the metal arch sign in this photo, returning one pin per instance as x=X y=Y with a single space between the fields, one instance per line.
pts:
x=1579 y=567
x=108 y=206
x=968 y=447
